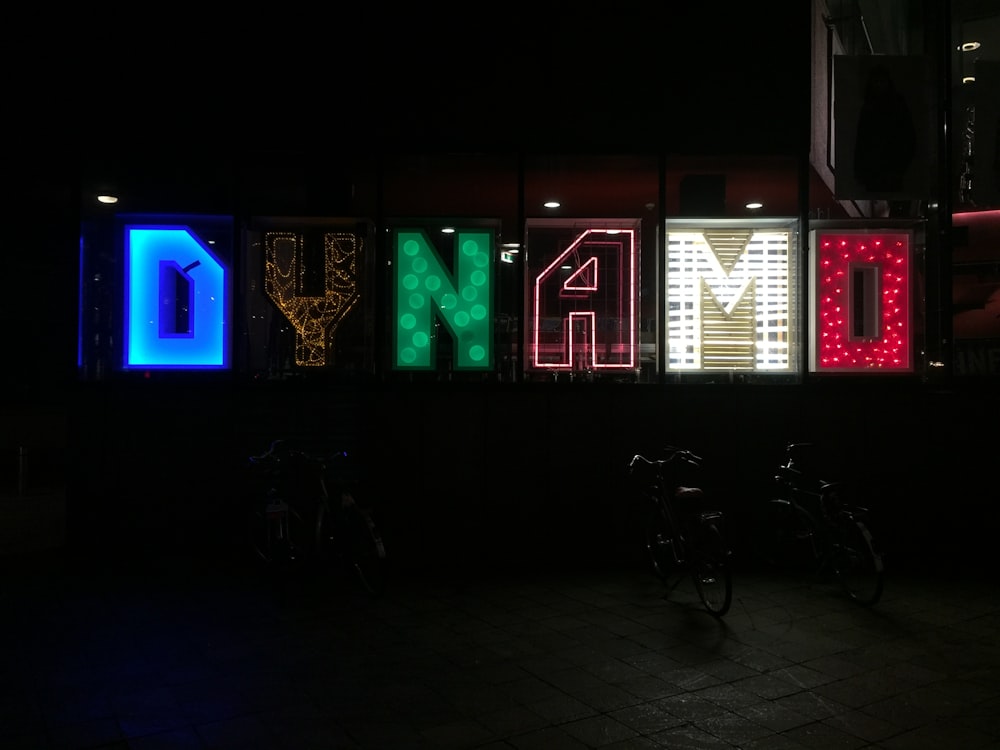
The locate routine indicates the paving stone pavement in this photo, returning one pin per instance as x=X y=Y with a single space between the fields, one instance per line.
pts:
x=178 y=652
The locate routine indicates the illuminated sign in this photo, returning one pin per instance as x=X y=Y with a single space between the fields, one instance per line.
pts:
x=313 y=290
x=584 y=300
x=175 y=300
x=426 y=292
x=860 y=300
x=729 y=299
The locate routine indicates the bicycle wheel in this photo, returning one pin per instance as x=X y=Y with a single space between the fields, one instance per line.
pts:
x=350 y=540
x=855 y=560
x=659 y=540
x=787 y=537
x=278 y=534
x=368 y=552
x=710 y=569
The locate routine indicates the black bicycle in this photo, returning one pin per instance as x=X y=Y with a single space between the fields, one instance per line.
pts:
x=310 y=512
x=683 y=537
x=813 y=525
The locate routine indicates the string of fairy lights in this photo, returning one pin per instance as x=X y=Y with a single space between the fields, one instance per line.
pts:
x=888 y=347
x=314 y=317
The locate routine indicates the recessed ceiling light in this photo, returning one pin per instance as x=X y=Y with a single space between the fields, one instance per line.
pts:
x=968 y=79
x=968 y=46
x=107 y=199
x=755 y=204
x=551 y=204
x=448 y=230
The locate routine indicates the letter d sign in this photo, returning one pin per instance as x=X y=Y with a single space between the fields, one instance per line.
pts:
x=175 y=300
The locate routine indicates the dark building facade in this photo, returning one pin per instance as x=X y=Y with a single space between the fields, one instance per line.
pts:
x=506 y=368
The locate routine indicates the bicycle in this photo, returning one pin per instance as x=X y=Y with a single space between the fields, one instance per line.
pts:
x=310 y=513
x=812 y=525
x=681 y=536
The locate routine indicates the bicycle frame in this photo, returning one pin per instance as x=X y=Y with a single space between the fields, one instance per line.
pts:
x=829 y=497
x=662 y=496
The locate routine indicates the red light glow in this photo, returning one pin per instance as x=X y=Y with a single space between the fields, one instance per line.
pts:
x=863 y=301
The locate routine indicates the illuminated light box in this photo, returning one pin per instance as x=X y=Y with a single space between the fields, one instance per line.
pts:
x=428 y=292
x=583 y=295
x=860 y=300
x=306 y=296
x=732 y=296
x=176 y=300
x=315 y=291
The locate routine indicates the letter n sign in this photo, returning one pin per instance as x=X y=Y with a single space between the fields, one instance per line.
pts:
x=860 y=283
x=175 y=300
x=427 y=292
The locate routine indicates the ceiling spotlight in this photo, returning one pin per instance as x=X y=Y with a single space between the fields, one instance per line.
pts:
x=107 y=199
x=551 y=204
x=752 y=205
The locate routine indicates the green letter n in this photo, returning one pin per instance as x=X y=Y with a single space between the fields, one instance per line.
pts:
x=425 y=289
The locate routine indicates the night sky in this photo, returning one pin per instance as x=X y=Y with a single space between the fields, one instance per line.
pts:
x=682 y=77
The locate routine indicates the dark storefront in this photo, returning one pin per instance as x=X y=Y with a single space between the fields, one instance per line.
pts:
x=382 y=268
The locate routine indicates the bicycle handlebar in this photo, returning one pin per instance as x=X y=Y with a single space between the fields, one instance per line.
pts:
x=799 y=473
x=683 y=454
x=284 y=449
x=671 y=453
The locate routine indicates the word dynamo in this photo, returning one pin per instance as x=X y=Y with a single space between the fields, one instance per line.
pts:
x=728 y=296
